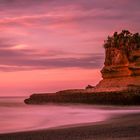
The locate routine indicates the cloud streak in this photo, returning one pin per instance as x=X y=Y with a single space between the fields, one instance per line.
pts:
x=29 y=59
x=60 y=34
x=66 y=12
x=57 y=44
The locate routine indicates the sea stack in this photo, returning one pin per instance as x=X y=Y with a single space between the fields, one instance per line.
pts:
x=121 y=77
x=121 y=69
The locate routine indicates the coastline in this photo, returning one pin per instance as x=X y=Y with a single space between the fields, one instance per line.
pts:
x=127 y=97
x=122 y=127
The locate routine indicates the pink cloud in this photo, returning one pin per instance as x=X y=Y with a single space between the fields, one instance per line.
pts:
x=40 y=39
x=25 y=82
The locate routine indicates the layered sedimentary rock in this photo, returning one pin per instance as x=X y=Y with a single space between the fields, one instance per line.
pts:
x=121 y=69
x=121 y=77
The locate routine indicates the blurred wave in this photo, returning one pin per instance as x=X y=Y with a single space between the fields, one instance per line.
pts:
x=17 y=116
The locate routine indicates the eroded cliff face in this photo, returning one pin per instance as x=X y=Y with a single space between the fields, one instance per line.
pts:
x=119 y=64
x=116 y=64
x=134 y=64
x=121 y=69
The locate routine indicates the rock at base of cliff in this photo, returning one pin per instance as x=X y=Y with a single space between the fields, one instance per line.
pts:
x=118 y=84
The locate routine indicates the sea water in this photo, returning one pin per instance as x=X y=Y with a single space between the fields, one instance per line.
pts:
x=15 y=115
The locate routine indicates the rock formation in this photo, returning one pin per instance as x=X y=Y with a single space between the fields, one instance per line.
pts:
x=121 y=69
x=89 y=87
x=121 y=77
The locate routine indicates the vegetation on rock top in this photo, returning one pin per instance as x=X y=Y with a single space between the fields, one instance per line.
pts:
x=124 y=40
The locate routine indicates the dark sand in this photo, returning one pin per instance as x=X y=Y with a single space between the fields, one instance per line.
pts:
x=125 y=127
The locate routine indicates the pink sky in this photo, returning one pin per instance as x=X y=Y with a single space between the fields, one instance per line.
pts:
x=50 y=45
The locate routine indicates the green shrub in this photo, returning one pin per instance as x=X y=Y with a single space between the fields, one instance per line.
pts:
x=124 y=40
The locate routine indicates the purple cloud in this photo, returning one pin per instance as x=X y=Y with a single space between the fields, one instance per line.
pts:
x=12 y=59
x=76 y=26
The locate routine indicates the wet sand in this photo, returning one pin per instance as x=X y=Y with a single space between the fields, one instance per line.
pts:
x=126 y=127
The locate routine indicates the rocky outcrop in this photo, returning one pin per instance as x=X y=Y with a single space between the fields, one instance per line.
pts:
x=89 y=87
x=129 y=97
x=122 y=63
x=121 y=77
x=117 y=84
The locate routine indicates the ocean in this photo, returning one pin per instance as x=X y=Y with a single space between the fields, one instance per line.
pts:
x=16 y=116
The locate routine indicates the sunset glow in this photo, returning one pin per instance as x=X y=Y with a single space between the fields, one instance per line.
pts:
x=47 y=46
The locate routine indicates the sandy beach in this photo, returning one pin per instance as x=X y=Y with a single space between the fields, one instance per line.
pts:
x=123 y=127
x=69 y=70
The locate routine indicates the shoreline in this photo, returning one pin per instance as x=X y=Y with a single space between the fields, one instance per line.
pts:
x=124 y=127
x=124 y=97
